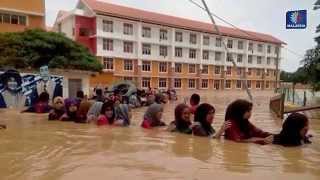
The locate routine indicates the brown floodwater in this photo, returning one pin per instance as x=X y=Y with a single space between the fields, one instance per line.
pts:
x=34 y=148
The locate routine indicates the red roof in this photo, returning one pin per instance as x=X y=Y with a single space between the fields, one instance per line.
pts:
x=167 y=20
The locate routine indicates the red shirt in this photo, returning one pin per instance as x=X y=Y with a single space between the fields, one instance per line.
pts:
x=102 y=120
x=234 y=133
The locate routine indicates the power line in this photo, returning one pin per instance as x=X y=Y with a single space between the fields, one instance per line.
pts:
x=243 y=31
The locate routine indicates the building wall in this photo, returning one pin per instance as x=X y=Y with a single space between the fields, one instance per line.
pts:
x=117 y=53
x=33 y=10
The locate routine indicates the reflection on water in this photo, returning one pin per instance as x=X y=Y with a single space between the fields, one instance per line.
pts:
x=34 y=148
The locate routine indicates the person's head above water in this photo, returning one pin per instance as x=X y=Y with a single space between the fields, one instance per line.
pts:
x=195 y=99
x=58 y=103
x=80 y=94
x=154 y=112
x=205 y=115
x=239 y=110
x=182 y=117
x=294 y=131
x=108 y=111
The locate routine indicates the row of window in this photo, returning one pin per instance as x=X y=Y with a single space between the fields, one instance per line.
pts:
x=13 y=19
x=163 y=68
x=146 y=82
x=163 y=51
x=163 y=35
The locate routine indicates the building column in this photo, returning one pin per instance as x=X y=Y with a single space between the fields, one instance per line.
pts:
x=139 y=54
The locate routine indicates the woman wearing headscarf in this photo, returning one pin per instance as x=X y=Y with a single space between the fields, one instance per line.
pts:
x=122 y=115
x=182 y=122
x=152 y=117
x=71 y=108
x=94 y=112
x=57 y=108
x=83 y=110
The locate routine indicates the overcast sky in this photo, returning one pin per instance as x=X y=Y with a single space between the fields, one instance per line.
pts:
x=266 y=16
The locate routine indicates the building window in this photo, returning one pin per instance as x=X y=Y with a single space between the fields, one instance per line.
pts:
x=260 y=47
x=193 y=39
x=162 y=83
x=178 y=52
x=206 y=40
x=205 y=55
x=128 y=65
x=249 y=84
x=107 y=44
x=146 y=49
x=163 y=67
x=267 y=84
x=268 y=60
x=230 y=44
x=127 y=47
x=239 y=71
x=229 y=70
x=239 y=58
x=127 y=78
x=23 y=20
x=177 y=83
x=192 y=54
x=163 y=34
x=258 y=84
x=240 y=45
x=205 y=69
x=14 y=19
x=228 y=84
x=146 y=66
x=258 y=72
x=163 y=51
x=249 y=71
x=192 y=83
x=6 y=18
x=259 y=60
x=108 y=63
x=218 y=42
x=216 y=84
x=192 y=68
x=275 y=62
x=239 y=84
x=107 y=26
x=84 y=32
x=269 y=49
x=250 y=47
x=178 y=68
x=276 y=50
x=145 y=82
x=146 y=32
x=127 y=29
x=250 y=59
x=268 y=72
x=204 y=83
x=229 y=57
x=217 y=56
x=179 y=37
x=217 y=70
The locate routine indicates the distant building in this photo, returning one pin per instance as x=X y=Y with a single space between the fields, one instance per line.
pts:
x=161 y=51
x=18 y=15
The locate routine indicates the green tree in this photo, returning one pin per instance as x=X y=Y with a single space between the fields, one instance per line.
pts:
x=34 y=48
x=311 y=60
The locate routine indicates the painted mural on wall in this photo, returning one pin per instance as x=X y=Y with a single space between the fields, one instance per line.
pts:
x=22 y=89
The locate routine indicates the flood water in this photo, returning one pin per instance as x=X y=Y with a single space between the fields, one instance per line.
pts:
x=34 y=148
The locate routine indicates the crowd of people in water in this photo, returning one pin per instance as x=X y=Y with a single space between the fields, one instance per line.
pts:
x=194 y=118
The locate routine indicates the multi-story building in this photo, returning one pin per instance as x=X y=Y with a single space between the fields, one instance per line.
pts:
x=162 y=51
x=17 y=15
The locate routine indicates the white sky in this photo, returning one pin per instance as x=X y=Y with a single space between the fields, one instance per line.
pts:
x=266 y=16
